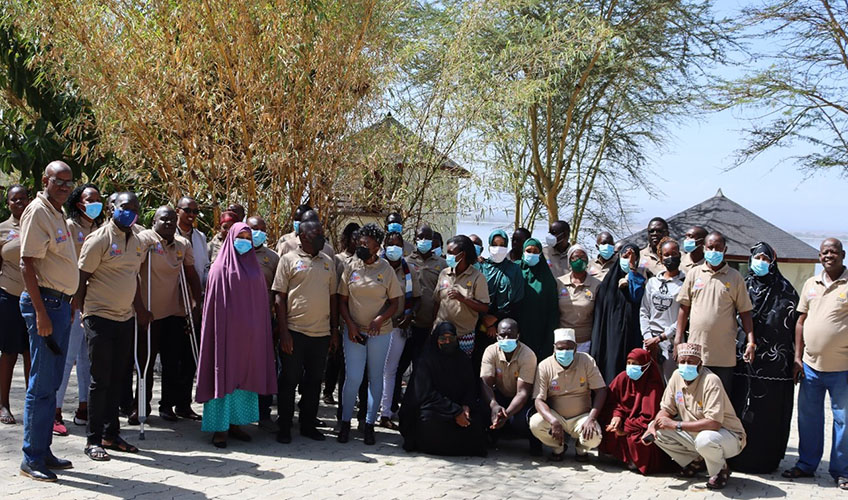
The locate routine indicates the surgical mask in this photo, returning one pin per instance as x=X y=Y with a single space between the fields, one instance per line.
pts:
x=565 y=358
x=635 y=372
x=296 y=226
x=258 y=237
x=606 y=250
x=124 y=218
x=395 y=227
x=438 y=252
x=759 y=267
x=578 y=266
x=363 y=253
x=93 y=209
x=551 y=240
x=451 y=260
x=498 y=254
x=508 y=345
x=624 y=264
x=671 y=263
x=242 y=246
x=688 y=372
x=713 y=257
x=689 y=245
x=479 y=249
x=531 y=259
x=424 y=246
x=394 y=253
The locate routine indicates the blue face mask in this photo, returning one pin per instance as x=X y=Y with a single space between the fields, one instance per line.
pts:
x=242 y=246
x=479 y=249
x=624 y=264
x=713 y=257
x=296 y=225
x=508 y=345
x=438 y=252
x=634 y=371
x=124 y=218
x=689 y=245
x=93 y=209
x=424 y=246
x=531 y=259
x=688 y=372
x=394 y=253
x=759 y=267
x=395 y=227
x=606 y=250
x=565 y=358
x=259 y=237
x=451 y=260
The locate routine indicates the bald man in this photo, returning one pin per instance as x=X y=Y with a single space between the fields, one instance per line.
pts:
x=291 y=243
x=605 y=244
x=48 y=266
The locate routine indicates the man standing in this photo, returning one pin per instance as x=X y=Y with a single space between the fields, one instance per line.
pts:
x=108 y=294
x=650 y=263
x=307 y=319
x=556 y=251
x=187 y=212
x=693 y=249
x=48 y=266
x=516 y=252
x=821 y=365
x=711 y=297
x=394 y=224
x=290 y=242
x=604 y=262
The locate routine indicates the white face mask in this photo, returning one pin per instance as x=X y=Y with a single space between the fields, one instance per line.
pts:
x=551 y=240
x=498 y=254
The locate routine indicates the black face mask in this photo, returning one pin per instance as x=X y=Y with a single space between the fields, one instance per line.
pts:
x=450 y=347
x=362 y=252
x=318 y=242
x=671 y=263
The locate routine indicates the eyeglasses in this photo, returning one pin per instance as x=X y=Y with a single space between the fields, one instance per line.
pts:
x=62 y=183
x=195 y=211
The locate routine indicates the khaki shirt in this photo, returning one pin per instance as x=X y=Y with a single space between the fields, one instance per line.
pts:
x=45 y=238
x=704 y=397
x=166 y=260
x=470 y=283
x=11 y=279
x=600 y=269
x=114 y=260
x=522 y=365
x=80 y=231
x=414 y=286
x=429 y=270
x=826 y=326
x=557 y=261
x=568 y=390
x=687 y=264
x=290 y=242
x=650 y=263
x=309 y=282
x=369 y=287
x=715 y=298
x=215 y=246
x=268 y=260
x=577 y=305
x=341 y=260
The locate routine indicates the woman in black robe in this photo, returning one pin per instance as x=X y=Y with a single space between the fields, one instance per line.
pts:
x=440 y=414
x=764 y=400
x=616 y=330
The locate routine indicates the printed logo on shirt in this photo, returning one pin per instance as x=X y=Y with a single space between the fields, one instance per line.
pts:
x=138 y=251
x=266 y=259
x=498 y=373
x=159 y=250
x=61 y=236
x=698 y=285
x=841 y=298
x=12 y=235
x=515 y=374
x=678 y=397
x=582 y=381
x=554 y=385
x=468 y=284
x=563 y=292
x=355 y=277
x=326 y=266
x=80 y=237
x=727 y=286
x=444 y=284
x=301 y=266
x=589 y=294
x=179 y=254
x=114 y=251
x=812 y=294
x=379 y=278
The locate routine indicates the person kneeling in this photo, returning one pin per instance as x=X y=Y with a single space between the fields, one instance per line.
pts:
x=697 y=425
x=566 y=385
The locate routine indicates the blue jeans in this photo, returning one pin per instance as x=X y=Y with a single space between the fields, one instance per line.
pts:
x=45 y=376
x=374 y=351
x=77 y=354
x=811 y=420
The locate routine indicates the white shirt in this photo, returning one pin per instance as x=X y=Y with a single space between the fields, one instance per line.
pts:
x=658 y=313
x=201 y=257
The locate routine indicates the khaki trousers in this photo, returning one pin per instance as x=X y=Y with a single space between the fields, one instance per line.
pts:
x=573 y=427
x=714 y=446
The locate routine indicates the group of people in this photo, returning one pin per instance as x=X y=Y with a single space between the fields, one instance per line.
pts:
x=651 y=356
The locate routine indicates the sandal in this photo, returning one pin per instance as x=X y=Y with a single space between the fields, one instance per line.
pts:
x=118 y=444
x=97 y=453
x=842 y=483
x=692 y=469
x=6 y=416
x=557 y=457
x=719 y=481
x=795 y=472
x=388 y=424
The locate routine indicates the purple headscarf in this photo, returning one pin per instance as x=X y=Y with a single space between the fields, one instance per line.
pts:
x=236 y=350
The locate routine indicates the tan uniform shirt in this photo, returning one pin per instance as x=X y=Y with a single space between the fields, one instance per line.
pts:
x=650 y=263
x=369 y=287
x=114 y=260
x=413 y=285
x=600 y=269
x=704 y=397
x=341 y=260
x=290 y=242
x=826 y=326
x=715 y=298
x=577 y=305
x=522 y=365
x=568 y=390
x=687 y=264
x=11 y=279
x=45 y=238
x=268 y=260
x=429 y=270
x=557 y=261
x=309 y=282
x=470 y=283
x=215 y=246
x=79 y=232
x=166 y=260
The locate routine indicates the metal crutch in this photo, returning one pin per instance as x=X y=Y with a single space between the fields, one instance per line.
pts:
x=187 y=303
x=142 y=375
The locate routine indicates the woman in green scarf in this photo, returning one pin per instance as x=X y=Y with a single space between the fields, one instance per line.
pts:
x=539 y=311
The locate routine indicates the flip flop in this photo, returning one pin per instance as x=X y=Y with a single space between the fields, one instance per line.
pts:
x=6 y=416
x=795 y=473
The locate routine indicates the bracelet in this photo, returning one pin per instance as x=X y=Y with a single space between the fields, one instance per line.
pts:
x=752 y=344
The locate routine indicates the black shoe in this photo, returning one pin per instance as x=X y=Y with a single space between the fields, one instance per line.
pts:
x=284 y=436
x=133 y=419
x=369 y=434
x=53 y=462
x=329 y=400
x=312 y=433
x=318 y=423
x=168 y=415
x=39 y=473
x=344 y=433
x=188 y=414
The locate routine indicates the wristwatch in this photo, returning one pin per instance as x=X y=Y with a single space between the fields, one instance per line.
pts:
x=679 y=426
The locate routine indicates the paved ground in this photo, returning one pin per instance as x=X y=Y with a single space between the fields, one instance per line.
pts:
x=177 y=461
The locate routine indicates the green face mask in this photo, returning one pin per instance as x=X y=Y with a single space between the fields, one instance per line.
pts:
x=578 y=266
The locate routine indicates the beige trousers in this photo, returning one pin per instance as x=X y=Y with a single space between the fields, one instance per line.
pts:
x=714 y=446
x=573 y=427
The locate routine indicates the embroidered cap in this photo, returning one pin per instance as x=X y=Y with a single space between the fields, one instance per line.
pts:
x=689 y=349
x=564 y=335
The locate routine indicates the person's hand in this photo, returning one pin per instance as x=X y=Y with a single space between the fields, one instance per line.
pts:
x=286 y=342
x=497 y=420
x=652 y=343
x=614 y=424
x=353 y=334
x=633 y=257
x=76 y=305
x=144 y=317
x=557 y=432
x=797 y=369
x=43 y=324
x=334 y=342
x=405 y=321
x=664 y=423
x=750 y=351
x=588 y=430
x=455 y=294
x=463 y=418
x=375 y=326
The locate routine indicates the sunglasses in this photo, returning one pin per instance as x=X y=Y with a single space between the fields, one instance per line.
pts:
x=61 y=183
x=195 y=211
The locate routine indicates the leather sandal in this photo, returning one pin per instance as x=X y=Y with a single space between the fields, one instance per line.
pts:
x=796 y=472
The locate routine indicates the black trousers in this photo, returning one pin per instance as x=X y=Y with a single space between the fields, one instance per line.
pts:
x=305 y=365
x=725 y=373
x=411 y=350
x=177 y=362
x=334 y=374
x=110 y=348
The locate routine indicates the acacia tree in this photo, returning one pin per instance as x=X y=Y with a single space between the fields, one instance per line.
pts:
x=799 y=91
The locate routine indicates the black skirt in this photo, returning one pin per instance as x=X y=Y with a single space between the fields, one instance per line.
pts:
x=13 y=335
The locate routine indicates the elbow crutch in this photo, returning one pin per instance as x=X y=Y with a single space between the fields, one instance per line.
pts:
x=187 y=302
x=142 y=374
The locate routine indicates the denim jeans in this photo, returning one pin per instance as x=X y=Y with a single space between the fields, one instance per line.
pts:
x=390 y=374
x=811 y=420
x=77 y=354
x=374 y=352
x=45 y=376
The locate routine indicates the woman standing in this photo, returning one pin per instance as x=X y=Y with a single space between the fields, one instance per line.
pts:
x=539 y=315
x=578 y=292
x=14 y=339
x=764 y=402
x=369 y=291
x=85 y=214
x=236 y=353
